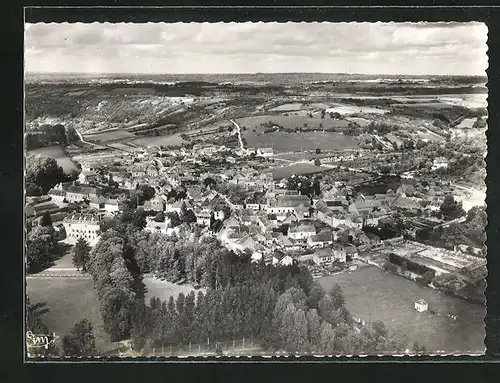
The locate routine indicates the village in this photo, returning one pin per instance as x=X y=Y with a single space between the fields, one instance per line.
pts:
x=233 y=195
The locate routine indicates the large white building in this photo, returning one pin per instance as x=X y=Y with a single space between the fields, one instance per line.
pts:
x=84 y=226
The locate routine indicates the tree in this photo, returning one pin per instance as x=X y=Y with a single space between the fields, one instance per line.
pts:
x=174 y=218
x=451 y=209
x=327 y=339
x=46 y=219
x=81 y=254
x=316 y=293
x=314 y=330
x=160 y=217
x=80 y=341
x=426 y=278
x=36 y=255
x=300 y=332
x=337 y=297
x=42 y=173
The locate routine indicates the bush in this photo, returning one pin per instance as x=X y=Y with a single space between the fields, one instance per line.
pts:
x=390 y=267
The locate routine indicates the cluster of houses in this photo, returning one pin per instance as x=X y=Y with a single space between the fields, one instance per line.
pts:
x=270 y=222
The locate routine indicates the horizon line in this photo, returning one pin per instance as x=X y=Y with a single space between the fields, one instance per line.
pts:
x=252 y=73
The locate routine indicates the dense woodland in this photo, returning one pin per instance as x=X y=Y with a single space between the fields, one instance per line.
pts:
x=280 y=307
x=50 y=135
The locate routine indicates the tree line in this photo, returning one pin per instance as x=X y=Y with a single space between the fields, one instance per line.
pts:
x=50 y=135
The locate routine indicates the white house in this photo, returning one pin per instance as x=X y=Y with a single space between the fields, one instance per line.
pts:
x=302 y=231
x=203 y=217
x=265 y=152
x=111 y=206
x=84 y=226
x=421 y=305
x=86 y=177
x=439 y=163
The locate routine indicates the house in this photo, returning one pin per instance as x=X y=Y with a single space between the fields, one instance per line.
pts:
x=351 y=252
x=329 y=255
x=172 y=206
x=282 y=205
x=288 y=244
x=87 y=176
x=252 y=205
x=421 y=305
x=203 y=217
x=290 y=219
x=301 y=211
x=406 y=190
x=280 y=259
x=84 y=226
x=156 y=203
x=265 y=152
x=57 y=195
x=152 y=171
x=364 y=205
x=97 y=202
x=439 y=163
x=302 y=231
x=323 y=256
x=111 y=206
x=156 y=227
x=321 y=240
x=80 y=193
x=231 y=223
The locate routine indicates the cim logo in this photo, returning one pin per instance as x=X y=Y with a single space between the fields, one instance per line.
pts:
x=40 y=340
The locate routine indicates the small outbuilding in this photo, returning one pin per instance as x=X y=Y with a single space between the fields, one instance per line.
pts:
x=421 y=305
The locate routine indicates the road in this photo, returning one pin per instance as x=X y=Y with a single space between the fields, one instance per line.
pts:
x=242 y=147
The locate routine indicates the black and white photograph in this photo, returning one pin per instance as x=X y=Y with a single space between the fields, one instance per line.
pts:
x=255 y=189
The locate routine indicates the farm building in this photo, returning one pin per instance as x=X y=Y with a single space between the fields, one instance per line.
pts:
x=421 y=305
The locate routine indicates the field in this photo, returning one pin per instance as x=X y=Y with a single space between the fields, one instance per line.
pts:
x=164 y=290
x=295 y=142
x=157 y=141
x=292 y=122
x=467 y=123
x=350 y=109
x=286 y=107
x=297 y=169
x=69 y=300
x=58 y=154
x=113 y=135
x=372 y=295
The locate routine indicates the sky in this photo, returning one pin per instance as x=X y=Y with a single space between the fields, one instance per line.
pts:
x=369 y=48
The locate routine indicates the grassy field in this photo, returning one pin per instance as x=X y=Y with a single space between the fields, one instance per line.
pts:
x=290 y=122
x=295 y=142
x=297 y=169
x=69 y=300
x=157 y=141
x=351 y=109
x=371 y=295
x=109 y=136
x=164 y=290
x=58 y=154
x=286 y=107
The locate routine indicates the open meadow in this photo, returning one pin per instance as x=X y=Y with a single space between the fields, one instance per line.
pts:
x=295 y=142
x=69 y=300
x=297 y=169
x=372 y=295
x=292 y=122
x=164 y=290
